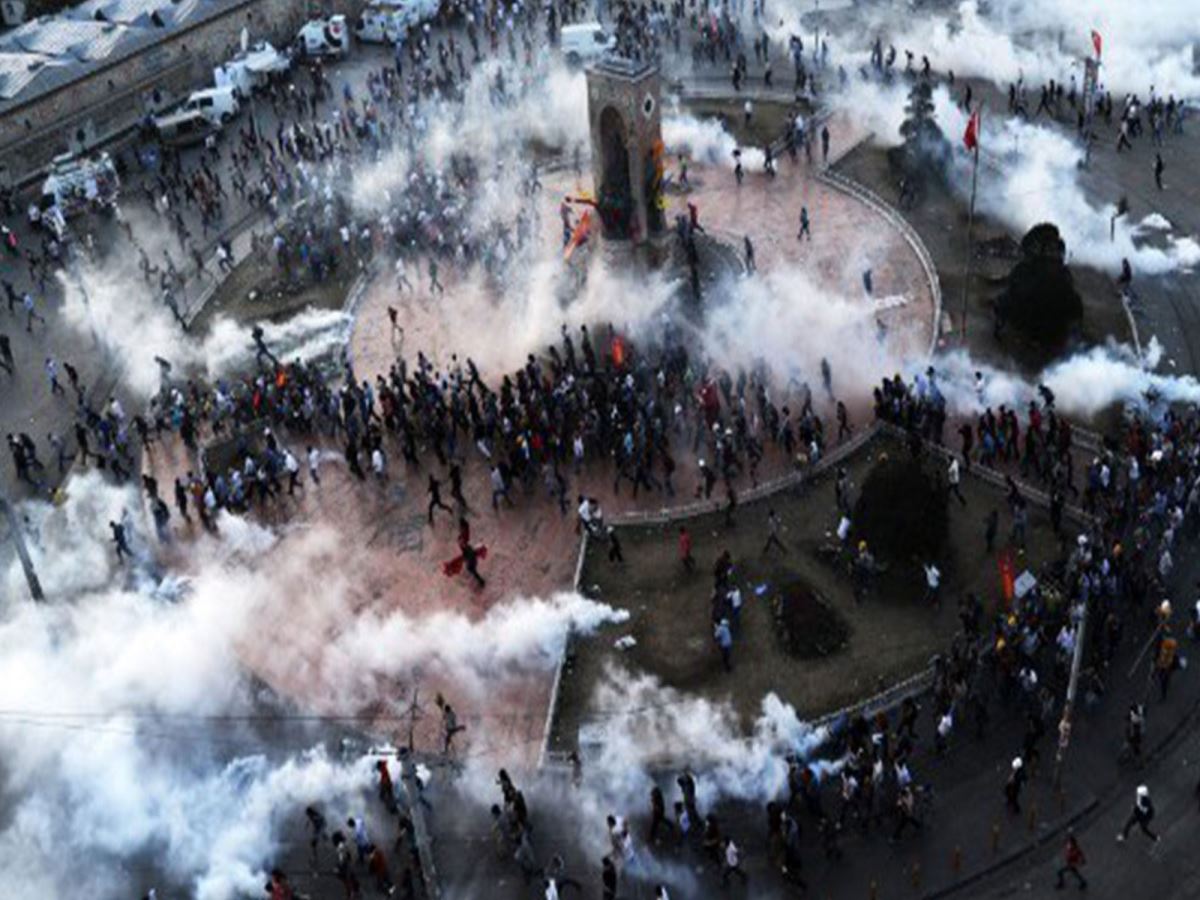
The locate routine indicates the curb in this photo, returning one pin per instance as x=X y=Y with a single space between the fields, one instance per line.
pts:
x=1052 y=832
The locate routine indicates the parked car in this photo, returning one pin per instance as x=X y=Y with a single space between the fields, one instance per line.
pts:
x=217 y=104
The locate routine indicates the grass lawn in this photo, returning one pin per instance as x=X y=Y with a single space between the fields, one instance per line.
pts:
x=893 y=634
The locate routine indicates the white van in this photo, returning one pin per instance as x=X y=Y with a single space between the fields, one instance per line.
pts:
x=324 y=37
x=389 y=21
x=585 y=42
x=217 y=104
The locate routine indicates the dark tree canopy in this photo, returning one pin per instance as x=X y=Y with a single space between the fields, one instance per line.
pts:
x=1040 y=300
x=925 y=150
x=901 y=511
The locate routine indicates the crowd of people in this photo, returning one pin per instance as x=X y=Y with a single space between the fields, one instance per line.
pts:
x=595 y=403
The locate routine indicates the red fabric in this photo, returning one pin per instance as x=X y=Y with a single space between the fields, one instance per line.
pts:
x=971 y=135
x=685 y=545
x=1074 y=854
x=385 y=777
x=1097 y=42
x=1008 y=575
x=618 y=351
x=452 y=567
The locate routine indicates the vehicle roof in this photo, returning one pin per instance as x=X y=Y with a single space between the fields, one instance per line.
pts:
x=179 y=116
x=219 y=89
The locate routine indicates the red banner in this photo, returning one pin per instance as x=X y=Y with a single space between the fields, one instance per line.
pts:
x=1008 y=574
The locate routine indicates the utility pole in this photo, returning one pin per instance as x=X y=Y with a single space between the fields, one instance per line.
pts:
x=18 y=539
x=977 y=120
x=1064 y=725
x=414 y=713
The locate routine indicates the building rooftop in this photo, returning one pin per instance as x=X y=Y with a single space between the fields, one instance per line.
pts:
x=50 y=52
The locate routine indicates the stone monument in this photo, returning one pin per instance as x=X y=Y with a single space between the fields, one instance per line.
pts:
x=627 y=148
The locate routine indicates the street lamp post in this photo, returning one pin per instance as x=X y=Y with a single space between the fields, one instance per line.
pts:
x=18 y=539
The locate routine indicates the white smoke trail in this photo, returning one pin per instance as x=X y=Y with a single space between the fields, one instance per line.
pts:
x=707 y=141
x=1084 y=383
x=309 y=334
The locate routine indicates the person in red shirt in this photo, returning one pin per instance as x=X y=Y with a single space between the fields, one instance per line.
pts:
x=387 y=793
x=1073 y=858
x=278 y=888
x=685 y=549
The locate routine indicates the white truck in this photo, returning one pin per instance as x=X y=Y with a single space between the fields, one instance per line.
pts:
x=323 y=38
x=388 y=21
x=251 y=69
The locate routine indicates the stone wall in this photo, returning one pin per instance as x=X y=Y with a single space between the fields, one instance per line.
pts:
x=109 y=101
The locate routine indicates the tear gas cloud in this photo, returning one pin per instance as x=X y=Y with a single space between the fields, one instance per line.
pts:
x=134 y=327
x=1084 y=383
x=707 y=141
x=1144 y=44
x=1032 y=175
x=124 y=682
x=1029 y=174
x=783 y=319
x=641 y=726
x=548 y=108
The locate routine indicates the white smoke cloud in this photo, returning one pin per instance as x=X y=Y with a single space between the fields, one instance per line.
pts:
x=133 y=327
x=1144 y=45
x=106 y=694
x=1029 y=174
x=707 y=142
x=1084 y=383
x=789 y=322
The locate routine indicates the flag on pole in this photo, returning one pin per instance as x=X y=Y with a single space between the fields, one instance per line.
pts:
x=1097 y=42
x=971 y=135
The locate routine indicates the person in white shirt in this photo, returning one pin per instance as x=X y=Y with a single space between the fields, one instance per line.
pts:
x=314 y=462
x=733 y=862
x=933 y=583
x=954 y=477
x=292 y=466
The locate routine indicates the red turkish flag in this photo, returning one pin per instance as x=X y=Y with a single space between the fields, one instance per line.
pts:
x=1097 y=42
x=971 y=135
